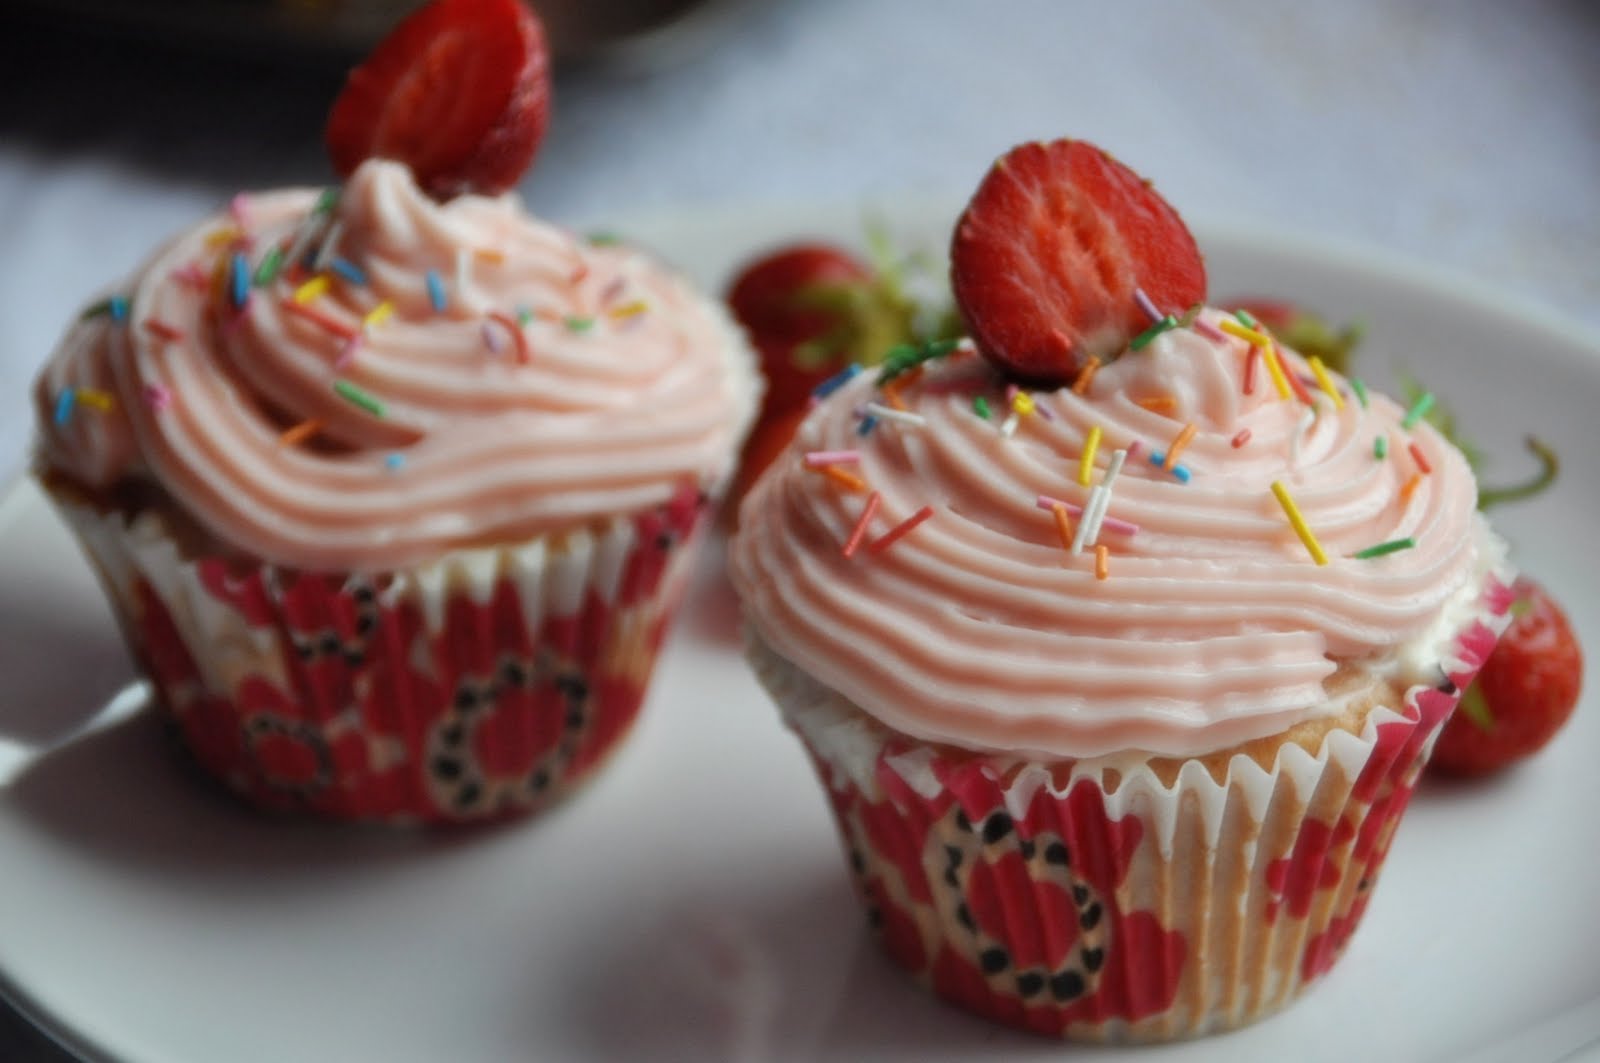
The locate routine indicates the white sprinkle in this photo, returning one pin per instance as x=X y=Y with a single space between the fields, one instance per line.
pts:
x=329 y=246
x=889 y=413
x=1008 y=427
x=1307 y=419
x=1081 y=537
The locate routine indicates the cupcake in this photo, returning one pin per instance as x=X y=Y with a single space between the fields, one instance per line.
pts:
x=393 y=497
x=1118 y=634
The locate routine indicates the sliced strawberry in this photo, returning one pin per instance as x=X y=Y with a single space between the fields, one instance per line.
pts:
x=1046 y=258
x=1524 y=694
x=459 y=91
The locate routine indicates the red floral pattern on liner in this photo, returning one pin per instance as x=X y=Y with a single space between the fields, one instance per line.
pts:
x=1034 y=936
x=382 y=718
x=1018 y=921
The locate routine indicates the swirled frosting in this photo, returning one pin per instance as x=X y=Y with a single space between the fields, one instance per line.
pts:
x=1213 y=624
x=440 y=376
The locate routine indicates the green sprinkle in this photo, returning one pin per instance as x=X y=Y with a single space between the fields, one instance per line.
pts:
x=1143 y=339
x=267 y=271
x=100 y=309
x=1380 y=447
x=1418 y=411
x=1360 y=388
x=604 y=239
x=524 y=315
x=1247 y=318
x=1391 y=547
x=326 y=201
x=579 y=324
x=980 y=406
x=907 y=356
x=356 y=397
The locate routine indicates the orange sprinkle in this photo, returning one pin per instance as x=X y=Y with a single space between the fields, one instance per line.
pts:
x=859 y=532
x=1420 y=458
x=300 y=433
x=1175 y=448
x=1410 y=488
x=505 y=321
x=1159 y=403
x=491 y=256
x=843 y=477
x=162 y=330
x=1102 y=561
x=899 y=531
x=1063 y=525
x=1086 y=374
x=222 y=237
x=317 y=317
x=1295 y=382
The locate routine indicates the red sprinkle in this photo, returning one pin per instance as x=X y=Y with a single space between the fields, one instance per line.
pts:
x=312 y=314
x=1252 y=356
x=1295 y=382
x=899 y=531
x=859 y=532
x=1418 y=457
x=157 y=327
x=506 y=321
x=1241 y=439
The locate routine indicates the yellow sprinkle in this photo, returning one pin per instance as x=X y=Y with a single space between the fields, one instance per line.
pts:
x=633 y=309
x=1298 y=522
x=840 y=476
x=1325 y=381
x=1086 y=462
x=1275 y=369
x=378 y=314
x=1102 y=561
x=314 y=288
x=100 y=400
x=1063 y=526
x=1022 y=402
x=1176 y=446
x=491 y=256
x=1233 y=328
x=226 y=235
x=1086 y=374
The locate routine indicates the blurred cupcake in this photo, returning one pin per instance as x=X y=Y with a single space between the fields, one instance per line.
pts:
x=1118 y=651
x=394 y=499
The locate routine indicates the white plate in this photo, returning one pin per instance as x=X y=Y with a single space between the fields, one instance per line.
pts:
x=692 y=904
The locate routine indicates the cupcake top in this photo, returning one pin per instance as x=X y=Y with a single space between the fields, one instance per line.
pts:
x=364 y=378
x=1194 y=618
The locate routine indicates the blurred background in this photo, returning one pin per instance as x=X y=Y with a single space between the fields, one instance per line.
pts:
x=1463 y=135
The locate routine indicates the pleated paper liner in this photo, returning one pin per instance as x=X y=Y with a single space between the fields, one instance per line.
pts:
x=490 y=683
x=1116 y=899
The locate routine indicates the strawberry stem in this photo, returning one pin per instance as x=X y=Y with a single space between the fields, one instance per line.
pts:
x=1549 y=467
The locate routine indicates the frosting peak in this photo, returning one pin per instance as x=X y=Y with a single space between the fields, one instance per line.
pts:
x=440 y=376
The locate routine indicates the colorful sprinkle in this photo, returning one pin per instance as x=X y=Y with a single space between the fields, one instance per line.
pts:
x=1102 y=561
x=378 y=314
x=436 y=296
x=317 y=317
x=627 y=310
x=157 y=397
x=1159 y=403
x=1063 y=524
x=1280 y=380
x=843 y=477
x=1295 y=382
x=324 y=256
x=394 y=461
x=1391 y=547
x=1008 y=427
x=524 y=316
x=836 y=381
x=1241 y=439
x=908 y=356
x=1249 y=335
x=1144 y=338
x=348 y=270
x=1420 y=458
x=899 y=531
x=1086 y=459
x=1080 y=386
x=270 y=265
x=312 y=289
x=814 y=458
x=1298 y=523
x=356 y=397
x=603 y=239
x=1147 y=305
x=980 y=406
x=347 y=353
x=490 y=255
x=1175 y=448
x=859 y=532
x=1022 y=403
x=96 y=399
x=1325 y=382
x=1179 y=472
x=326 y=201
x=1418 y=411
x=1380 y=447
x=868 y=423
x=1359 y=386
x=1252 y=358
x=578 y=324
x=1208 y=330
x=1409 y=488
x=1247 y=317
x=505 y=321
x=1122 y=527
x=161 y=330
x=300 y=433
x=238 y=279
x=889 y=413
x=64 y=404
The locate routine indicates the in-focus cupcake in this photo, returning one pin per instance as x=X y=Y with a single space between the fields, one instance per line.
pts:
x=394 y=498
x=1120 y=649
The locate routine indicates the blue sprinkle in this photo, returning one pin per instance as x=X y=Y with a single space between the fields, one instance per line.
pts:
x=239 y=279
x=119 y=308
x=1180 y=471
x=394 y=461
x=350 y=271
x=836 y=381
x=64 y=404
x=868 y=423
x=436 y=291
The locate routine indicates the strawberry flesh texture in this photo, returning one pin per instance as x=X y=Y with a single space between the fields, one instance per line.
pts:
x=1046 y=257
x=459 y=91
x=1529 y=684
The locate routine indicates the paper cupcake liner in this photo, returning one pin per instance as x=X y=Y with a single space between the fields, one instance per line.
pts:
x=1107 y=899
x=488 y=683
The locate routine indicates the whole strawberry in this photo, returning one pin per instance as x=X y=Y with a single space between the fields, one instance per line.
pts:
x=1525 y=692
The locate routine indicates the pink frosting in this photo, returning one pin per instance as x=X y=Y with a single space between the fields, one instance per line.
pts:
x=1214 y=624
x=623 y=384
